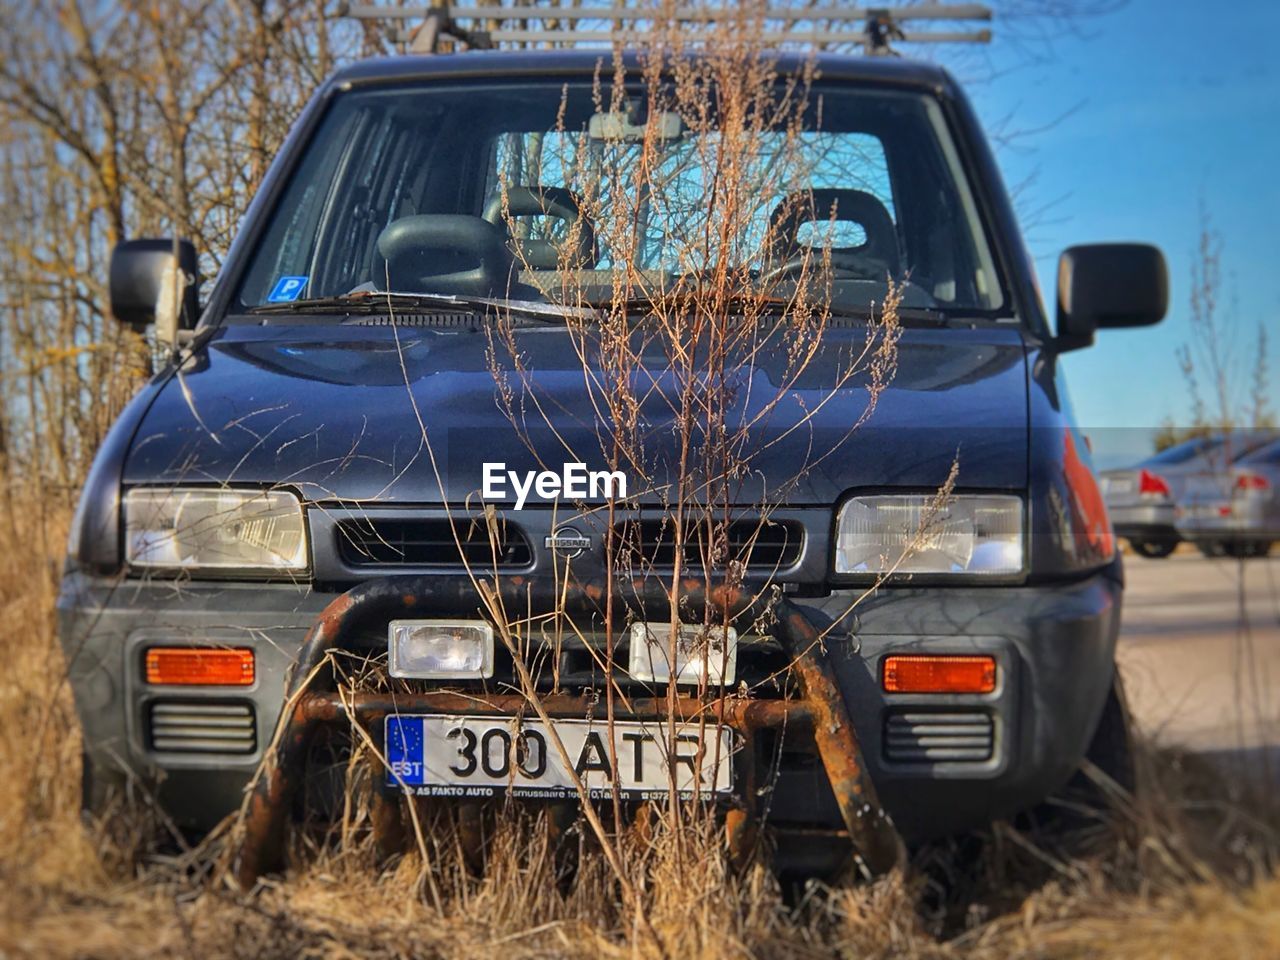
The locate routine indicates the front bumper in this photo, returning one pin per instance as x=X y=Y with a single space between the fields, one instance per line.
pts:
x=1054 y=645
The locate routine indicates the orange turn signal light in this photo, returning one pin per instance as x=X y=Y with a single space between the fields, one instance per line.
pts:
x=200 y=666
x=939 y=674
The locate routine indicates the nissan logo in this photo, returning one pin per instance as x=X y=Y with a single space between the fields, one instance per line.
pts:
x=567 y=542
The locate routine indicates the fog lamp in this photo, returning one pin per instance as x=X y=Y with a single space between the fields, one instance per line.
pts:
x=440 y=649
x=700 y=651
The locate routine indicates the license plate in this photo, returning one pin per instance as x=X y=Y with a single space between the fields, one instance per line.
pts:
x=1113 y=486
x=451 y=756
x=1202 y=511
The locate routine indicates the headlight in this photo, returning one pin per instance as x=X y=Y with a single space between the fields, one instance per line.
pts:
x=909 y=534
x=217 y=530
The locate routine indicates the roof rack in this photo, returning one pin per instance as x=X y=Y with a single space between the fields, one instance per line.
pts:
x=528 y=23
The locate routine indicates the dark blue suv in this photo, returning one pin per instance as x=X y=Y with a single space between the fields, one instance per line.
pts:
x=366 y=463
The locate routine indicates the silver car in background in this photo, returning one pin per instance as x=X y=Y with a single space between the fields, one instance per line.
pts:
x=1142 y=500
x=1234 y=511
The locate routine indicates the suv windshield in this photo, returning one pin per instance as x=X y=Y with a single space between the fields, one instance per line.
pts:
x=496 y=190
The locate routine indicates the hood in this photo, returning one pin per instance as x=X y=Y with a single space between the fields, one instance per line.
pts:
x=341 y=411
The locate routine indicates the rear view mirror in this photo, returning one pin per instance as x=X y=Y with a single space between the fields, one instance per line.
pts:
x=155 y=282
x=620 y=125
x=1109 y=285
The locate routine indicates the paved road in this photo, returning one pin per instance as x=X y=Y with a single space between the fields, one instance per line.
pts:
x=1200 y=653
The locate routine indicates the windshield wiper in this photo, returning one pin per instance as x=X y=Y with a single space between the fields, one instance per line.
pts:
x=367 y=302
x=927 y=315
x=388 y=302
x=776 y=306
x=632 y=305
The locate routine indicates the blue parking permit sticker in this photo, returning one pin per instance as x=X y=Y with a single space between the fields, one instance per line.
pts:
x=404 y=750
x=287 y=289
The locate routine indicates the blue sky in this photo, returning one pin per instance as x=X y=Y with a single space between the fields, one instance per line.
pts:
x=1133 y=119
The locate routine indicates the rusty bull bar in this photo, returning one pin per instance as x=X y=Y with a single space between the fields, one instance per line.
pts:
x=312 y=699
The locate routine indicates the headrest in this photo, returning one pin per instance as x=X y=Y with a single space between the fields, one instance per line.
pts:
x=825 y=205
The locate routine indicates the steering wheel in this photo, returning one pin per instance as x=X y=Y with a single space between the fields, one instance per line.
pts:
x=472 y=253
x=540 y=201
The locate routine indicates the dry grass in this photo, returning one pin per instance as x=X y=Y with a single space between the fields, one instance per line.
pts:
x=1188 y=871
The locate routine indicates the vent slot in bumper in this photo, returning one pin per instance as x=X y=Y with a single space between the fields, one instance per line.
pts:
x=445 y=319
x=430 y=542
x=204 y=727
x=938 y=737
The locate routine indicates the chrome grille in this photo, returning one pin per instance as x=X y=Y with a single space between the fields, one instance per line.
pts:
x=203 y=727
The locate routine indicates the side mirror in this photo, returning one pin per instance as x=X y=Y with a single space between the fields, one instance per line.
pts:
x=155 y=282
x=1109 y=285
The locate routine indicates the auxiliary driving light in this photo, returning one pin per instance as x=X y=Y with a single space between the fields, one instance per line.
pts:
x=200 y=667
x=710 y=652
x=440 y=649
x=939 y=674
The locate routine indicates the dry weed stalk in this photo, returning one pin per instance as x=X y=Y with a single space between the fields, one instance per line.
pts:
x=684 y=346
